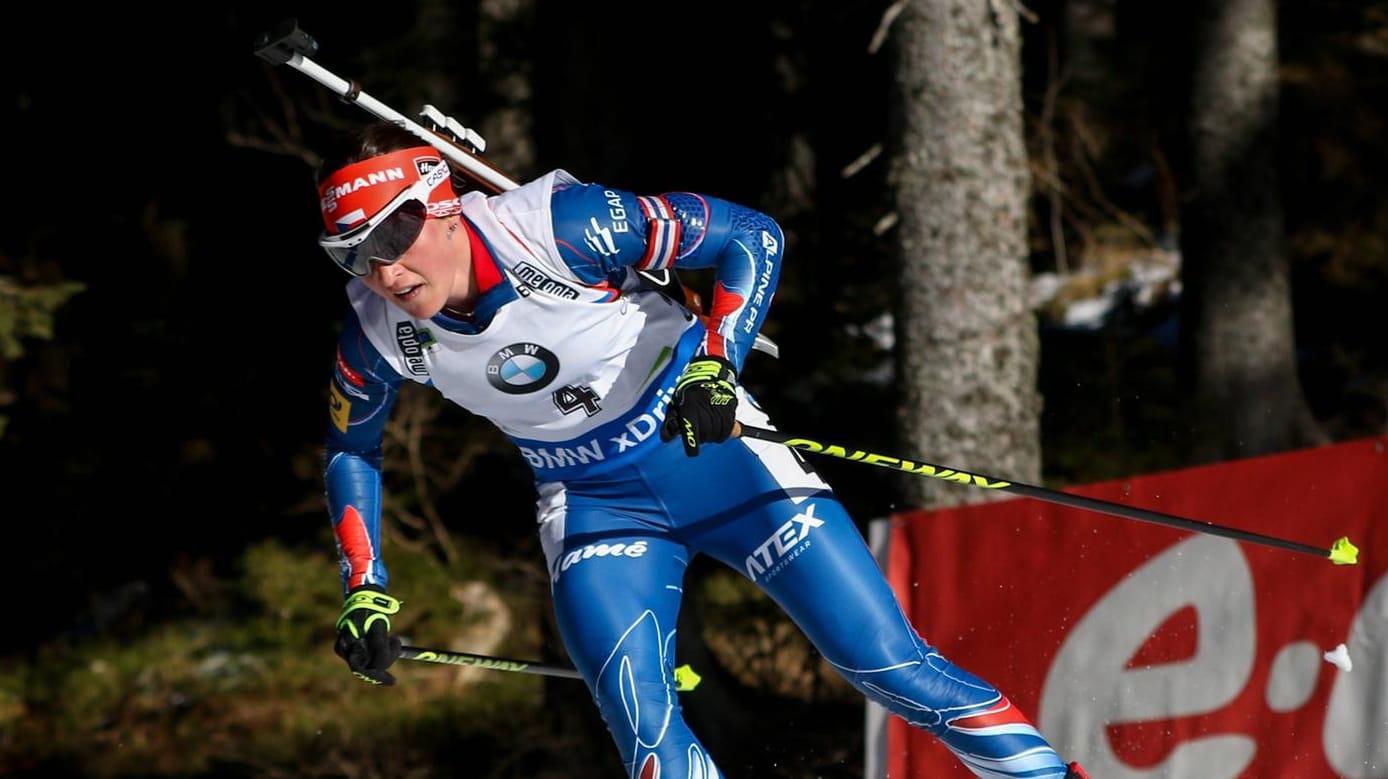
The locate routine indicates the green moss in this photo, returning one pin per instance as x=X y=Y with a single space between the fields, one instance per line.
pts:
x=263 y=693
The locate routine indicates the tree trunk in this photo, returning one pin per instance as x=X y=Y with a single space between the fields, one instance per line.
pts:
x=1238 y=299
x=966 y=349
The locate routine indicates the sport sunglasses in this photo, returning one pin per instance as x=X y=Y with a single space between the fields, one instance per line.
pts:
x=390 y=231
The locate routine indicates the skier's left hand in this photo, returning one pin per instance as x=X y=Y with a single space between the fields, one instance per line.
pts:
x=704 y=407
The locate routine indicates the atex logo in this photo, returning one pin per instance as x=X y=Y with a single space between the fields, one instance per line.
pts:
x=576 y=556
x=521 y=368
x=414 y=342
x=787 y=543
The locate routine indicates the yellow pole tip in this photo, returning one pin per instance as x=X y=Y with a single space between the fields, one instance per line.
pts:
x=1342 y=552
x=686 y=679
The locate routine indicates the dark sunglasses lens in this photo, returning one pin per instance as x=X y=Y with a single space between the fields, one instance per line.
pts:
x=384 y=244
x=348 y=259
x=396 y=234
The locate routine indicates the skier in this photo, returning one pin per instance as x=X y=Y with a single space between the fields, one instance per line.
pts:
x=525 y=308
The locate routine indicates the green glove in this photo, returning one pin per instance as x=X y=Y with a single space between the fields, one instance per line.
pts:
x=704 y=407
x=363 y=634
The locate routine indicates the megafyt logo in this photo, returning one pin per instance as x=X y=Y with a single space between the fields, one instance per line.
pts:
x=521 y=368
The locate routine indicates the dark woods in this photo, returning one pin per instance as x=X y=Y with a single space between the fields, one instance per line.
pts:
x=167 y=324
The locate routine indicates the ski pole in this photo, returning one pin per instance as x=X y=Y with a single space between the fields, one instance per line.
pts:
x=488 y=662
x=1342 y=552
x=685 y=678
x=286 y=44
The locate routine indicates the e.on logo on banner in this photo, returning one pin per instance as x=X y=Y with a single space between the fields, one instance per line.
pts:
x=1152 y=653
x=1173 y=668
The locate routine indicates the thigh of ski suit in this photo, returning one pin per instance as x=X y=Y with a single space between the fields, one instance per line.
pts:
x=617 y=574
x=799 y=545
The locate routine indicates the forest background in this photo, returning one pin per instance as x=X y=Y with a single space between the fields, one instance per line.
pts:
x=167 y=326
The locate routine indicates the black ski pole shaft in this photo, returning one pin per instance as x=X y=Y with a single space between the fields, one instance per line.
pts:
x=1342 y=552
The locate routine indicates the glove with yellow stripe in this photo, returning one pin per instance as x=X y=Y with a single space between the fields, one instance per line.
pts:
x=363 y=634
x=704 y=407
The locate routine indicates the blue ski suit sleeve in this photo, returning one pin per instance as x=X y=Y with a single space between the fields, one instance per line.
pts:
x=362 y=391
x=601 y=231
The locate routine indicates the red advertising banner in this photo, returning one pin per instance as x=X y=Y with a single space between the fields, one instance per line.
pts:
x=1145 y=651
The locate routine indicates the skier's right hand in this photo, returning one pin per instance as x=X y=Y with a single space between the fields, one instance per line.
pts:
x=363 y=634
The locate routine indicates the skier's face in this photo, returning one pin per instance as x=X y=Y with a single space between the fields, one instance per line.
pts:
x=436 y=270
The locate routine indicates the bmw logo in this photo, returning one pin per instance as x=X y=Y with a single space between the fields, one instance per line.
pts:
x=521 y=368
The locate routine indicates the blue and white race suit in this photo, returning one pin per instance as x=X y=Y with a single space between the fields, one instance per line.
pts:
x=574 y=359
